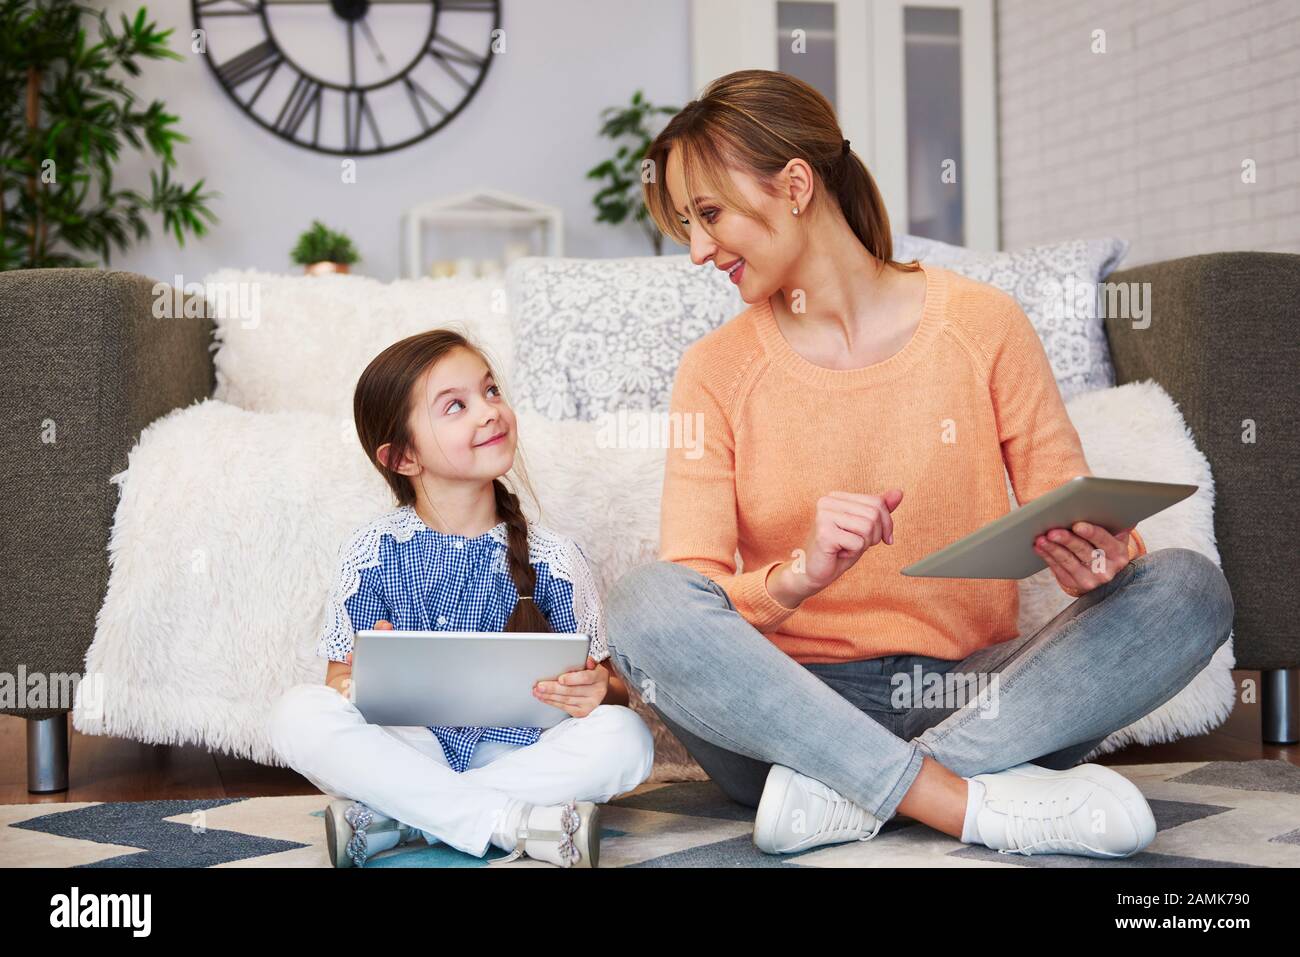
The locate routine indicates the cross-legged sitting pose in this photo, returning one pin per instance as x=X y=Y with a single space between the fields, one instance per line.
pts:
x=858 y=415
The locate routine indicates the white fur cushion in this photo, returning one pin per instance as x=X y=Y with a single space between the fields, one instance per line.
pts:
x=311 y=336
x=225 y=537
x=1135 y=431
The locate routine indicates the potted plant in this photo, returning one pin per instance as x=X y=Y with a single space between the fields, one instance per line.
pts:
x=322 y=250
x=64 y=118
x=622 y=196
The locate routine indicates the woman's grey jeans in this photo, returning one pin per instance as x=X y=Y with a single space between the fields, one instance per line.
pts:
x=739 y=704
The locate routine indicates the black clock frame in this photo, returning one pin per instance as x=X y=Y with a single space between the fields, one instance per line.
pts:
x=302 y=97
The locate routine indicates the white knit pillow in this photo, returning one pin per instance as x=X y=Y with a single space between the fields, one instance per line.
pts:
x=311 y=336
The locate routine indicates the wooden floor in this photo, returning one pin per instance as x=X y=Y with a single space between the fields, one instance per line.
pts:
x=117 y=769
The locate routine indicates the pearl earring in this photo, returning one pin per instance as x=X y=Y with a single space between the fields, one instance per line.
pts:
x=795 y=210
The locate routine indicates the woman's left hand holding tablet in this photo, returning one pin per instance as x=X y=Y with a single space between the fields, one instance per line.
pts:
x=1084 y=556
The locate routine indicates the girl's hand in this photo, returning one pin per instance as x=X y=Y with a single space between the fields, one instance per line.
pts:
x=342 y=681
x=576 y=692
x=1084 y=558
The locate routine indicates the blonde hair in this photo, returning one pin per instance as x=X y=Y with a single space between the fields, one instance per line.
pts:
x=757 y=121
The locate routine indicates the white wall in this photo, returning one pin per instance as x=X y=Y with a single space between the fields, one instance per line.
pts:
x=1147 y=140
x=532 y=130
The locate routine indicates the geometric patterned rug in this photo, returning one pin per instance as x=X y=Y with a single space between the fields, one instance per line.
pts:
x=1208 y=814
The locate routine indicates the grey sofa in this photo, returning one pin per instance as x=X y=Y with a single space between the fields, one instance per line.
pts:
x=86 y=365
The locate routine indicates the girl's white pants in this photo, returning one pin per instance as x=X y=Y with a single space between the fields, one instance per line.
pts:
x=402 y=771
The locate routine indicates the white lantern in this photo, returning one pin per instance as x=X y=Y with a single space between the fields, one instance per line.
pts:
x=481 y=224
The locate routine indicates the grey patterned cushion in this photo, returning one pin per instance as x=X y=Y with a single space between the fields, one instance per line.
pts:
x=593 y=336
x=1055 y=286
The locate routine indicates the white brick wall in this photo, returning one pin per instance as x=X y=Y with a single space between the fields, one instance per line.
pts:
x=1146 y=140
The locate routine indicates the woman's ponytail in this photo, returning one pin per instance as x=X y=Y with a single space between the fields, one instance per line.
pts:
x=863 y=207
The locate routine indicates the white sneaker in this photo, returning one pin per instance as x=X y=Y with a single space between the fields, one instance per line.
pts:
x=1088 y=809
x=797 y=812
x=564 y=834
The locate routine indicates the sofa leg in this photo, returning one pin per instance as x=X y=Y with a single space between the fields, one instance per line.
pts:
x=1279 y=700
x=47 y=753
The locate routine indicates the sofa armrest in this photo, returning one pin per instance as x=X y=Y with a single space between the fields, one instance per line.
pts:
x=84 y=366
x=1220 y=337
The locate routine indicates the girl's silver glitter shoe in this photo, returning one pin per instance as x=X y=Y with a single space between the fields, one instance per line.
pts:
x=567 y=835
x=348 y=826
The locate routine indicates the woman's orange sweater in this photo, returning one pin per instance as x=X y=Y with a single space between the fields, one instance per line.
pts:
x=971 y=392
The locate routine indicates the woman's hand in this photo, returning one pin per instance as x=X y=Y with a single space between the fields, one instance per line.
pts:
x=576 y=692
x=845 y=526
x=1084 y=558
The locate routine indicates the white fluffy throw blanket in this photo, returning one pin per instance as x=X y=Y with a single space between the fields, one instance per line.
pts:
x=224 y=542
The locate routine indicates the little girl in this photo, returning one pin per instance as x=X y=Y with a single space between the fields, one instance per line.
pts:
x=458 y=554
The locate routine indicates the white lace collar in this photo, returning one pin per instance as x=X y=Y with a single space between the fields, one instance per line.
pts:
x=559 y=553
x=406 y=521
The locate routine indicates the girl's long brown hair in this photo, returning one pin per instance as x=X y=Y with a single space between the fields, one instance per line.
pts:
x=381 y=406
x=757 y=121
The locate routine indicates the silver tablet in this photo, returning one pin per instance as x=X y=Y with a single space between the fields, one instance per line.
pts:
x=460 y=677
x=1004 y=548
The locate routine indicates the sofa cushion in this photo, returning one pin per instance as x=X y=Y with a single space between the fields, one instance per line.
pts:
x=311 y=336
x=220 y=563
x=1055 y=285
x=594 y=336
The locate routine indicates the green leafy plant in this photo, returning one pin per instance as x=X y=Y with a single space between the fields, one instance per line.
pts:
x=321 y=244
x=622 y=196
x=64 y=117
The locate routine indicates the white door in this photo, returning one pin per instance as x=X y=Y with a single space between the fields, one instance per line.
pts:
x=913 y=86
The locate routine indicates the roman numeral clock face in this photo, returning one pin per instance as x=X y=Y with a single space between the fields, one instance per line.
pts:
x=350 y=77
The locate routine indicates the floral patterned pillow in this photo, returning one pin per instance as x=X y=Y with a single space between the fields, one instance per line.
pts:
x=1056 y=285
x=593 y=336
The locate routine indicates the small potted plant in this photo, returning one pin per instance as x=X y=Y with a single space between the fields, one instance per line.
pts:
x=621 y=196
x=322 y=250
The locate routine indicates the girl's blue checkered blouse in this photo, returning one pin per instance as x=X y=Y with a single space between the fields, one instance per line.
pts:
x=399 y=569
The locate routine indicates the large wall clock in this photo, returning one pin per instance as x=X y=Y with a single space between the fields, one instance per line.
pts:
x=350 y=77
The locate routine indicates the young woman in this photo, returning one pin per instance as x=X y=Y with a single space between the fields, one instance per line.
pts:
x=858 y=415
